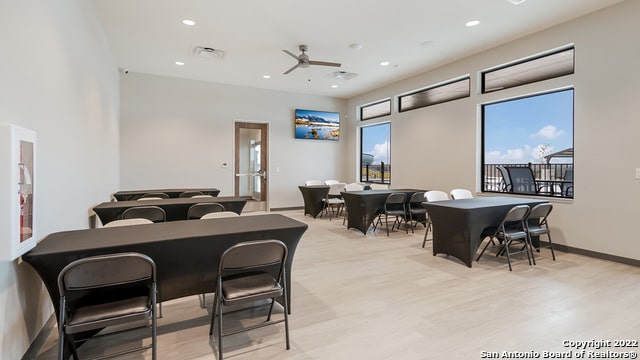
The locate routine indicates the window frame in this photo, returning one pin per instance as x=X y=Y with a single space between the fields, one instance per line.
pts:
x=431 y=88
x=535 y=74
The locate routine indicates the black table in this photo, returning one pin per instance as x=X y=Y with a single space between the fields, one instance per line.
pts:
x=175 y=208
x=313 y=196
x=458 y=224
x=186 y=252
x=173 y=193
x=363 y=206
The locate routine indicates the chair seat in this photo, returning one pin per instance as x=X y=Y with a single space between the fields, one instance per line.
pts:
x=243 y=288
x=514 y=234
x=537 y=230
x=418 y=210
x=395 y=212
x=112 y=313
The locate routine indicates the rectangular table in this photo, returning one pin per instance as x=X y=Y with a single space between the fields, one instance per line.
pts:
x=458 y=224
x=313 y=196
x=175 y=208
x=173 y=193
x=186 y=252
x=363 y=206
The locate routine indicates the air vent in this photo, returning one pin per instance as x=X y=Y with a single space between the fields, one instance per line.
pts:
x=342 y=75
x=208 y=52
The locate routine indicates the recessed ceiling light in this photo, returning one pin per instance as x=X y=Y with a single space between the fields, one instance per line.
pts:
x=472 y=23
x=334 y=86
x=188 y=22
x=179 y=63
x=266 y=76
x=516 y=2
x=384 y=63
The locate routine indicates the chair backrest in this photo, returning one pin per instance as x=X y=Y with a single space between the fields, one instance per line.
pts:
x=395 y=201
x=540 y=212
x=249 y=255
x=153 y=213
x=506 y=181
x=457 y=194
x=516 y=215
x=436 y=195
x=160 y=195
x=219 y=214
x=522 y=180
x=312 y=182
x=379 y=187
x=128 y=222
x=337 y=188
x=567 y=187
x=105 y=271
x=189 y=194
x=353 y=187
x=331 y=182
x=416 y=200
x=196 y=211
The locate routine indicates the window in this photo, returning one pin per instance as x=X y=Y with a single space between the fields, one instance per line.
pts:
x=534 y=131
x=375 y=155
x=537 y=68
x=374 y=110
x=451 y=90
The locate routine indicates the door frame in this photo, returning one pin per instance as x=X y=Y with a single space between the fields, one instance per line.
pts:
x=264 y=155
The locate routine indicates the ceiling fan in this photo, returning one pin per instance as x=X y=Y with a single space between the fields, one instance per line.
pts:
x=304 y=62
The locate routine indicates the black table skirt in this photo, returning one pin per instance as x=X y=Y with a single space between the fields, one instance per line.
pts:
x=363 y=206
x=126 y=195
x=186 y=252
x=313 y=196
x=176 y=209
x=458 y=224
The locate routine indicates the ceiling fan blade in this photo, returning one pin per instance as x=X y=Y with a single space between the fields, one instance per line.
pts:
x=324 y=63
x=290 y=70
x=290 y=54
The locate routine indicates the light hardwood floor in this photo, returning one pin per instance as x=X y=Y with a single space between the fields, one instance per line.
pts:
x=379 y=297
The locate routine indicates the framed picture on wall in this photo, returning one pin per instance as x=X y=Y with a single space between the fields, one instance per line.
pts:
x=17 y=186
x=317 y=125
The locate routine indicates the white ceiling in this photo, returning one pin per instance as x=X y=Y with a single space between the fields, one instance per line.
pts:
x=147 y=36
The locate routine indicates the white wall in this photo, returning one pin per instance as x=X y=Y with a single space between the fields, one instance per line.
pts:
x=177 y=133
x=59 y=79
x=437 y=147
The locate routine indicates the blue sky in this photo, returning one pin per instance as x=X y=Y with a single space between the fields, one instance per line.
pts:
x=515 y=130
x=375 y=141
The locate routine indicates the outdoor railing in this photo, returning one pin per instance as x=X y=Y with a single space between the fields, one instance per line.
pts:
x=378 y=173
x=550 y=177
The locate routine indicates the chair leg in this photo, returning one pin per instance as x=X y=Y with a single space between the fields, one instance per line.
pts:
x=483 y=249
x=386 y=218
x=271 y=309
x=203 y=303
x=553 y=255
x=219 y=327
x=426 y=232
x=506 y=249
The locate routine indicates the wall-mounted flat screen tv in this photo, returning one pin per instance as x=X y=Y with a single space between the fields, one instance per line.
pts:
x=317 y=125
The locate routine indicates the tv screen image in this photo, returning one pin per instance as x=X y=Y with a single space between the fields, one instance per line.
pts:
x=317 y=125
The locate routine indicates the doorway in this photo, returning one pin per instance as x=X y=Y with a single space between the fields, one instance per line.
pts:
x=251 y=150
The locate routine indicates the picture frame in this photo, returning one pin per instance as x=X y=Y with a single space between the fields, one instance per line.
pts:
x=17 y=159
x=317 y=125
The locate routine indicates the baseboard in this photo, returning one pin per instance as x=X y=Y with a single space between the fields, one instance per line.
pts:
x=40 y=339
x=594 y=254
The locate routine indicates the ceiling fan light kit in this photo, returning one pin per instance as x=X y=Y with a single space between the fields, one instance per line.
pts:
x=304 y=61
